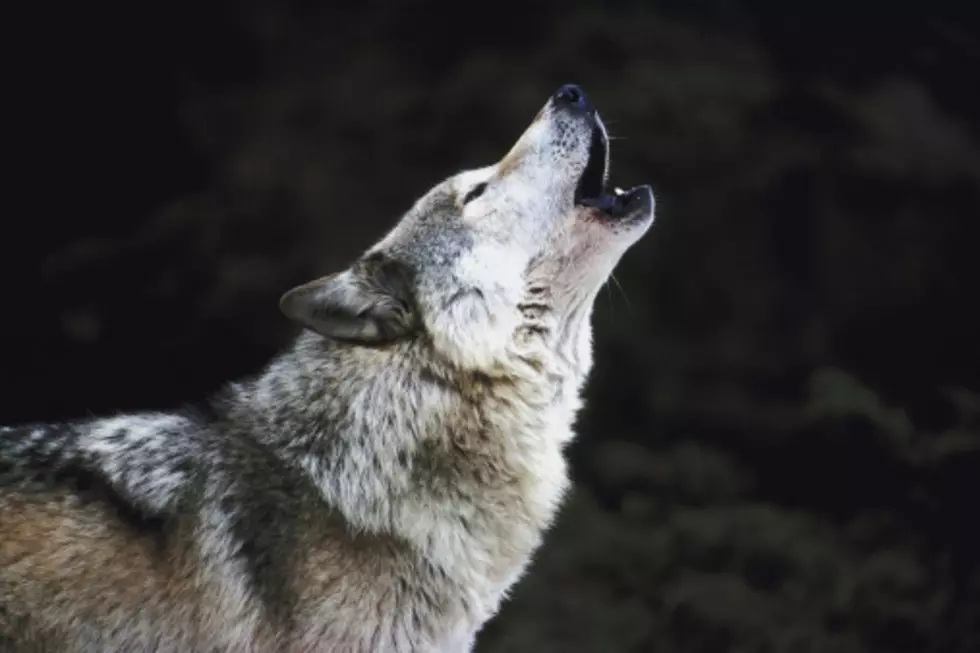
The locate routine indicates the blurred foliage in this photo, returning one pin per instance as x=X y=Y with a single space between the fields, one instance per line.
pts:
x=781 y=443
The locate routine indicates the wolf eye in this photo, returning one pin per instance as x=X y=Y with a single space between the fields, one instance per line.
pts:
x=475 y=192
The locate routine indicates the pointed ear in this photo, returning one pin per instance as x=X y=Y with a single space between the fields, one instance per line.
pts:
x=370 y=303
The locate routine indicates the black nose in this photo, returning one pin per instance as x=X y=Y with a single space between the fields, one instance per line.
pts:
x=570 y=95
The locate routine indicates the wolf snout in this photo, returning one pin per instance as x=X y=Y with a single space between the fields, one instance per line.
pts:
x=571 y=96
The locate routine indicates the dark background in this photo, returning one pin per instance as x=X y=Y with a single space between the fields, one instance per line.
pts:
x=782 y=443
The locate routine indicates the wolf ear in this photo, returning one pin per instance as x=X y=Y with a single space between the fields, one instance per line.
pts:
x=370 y=303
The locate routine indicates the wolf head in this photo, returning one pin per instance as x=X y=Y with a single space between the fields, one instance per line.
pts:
x=496 y=265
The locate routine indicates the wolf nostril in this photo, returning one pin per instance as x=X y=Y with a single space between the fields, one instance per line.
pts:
x=570 y=95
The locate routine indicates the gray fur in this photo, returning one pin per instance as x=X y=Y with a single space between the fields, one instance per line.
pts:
x=379 y=486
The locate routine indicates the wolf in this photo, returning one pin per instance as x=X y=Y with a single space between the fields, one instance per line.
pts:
x=384 y=481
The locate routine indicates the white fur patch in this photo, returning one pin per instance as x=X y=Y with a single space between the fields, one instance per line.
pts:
x=140 y=454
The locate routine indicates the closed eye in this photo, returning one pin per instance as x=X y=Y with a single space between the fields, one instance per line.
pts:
x=474 y=193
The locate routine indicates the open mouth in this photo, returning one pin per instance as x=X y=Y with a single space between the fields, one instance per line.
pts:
x=592 y=183
x=591 y=190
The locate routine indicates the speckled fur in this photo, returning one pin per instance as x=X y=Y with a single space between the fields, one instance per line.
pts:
x=378 y=487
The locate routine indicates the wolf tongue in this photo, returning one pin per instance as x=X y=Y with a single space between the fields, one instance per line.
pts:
x=611 y=203
x=603 y=202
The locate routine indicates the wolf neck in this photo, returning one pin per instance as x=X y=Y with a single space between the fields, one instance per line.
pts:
x=458 y=467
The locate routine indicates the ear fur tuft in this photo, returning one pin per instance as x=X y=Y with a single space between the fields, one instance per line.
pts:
x=371 y=302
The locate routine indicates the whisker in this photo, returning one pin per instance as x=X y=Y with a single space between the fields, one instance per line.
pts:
x=622 y=292
x=609 y=298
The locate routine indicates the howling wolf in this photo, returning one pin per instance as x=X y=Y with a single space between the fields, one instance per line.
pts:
x=384 y=481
